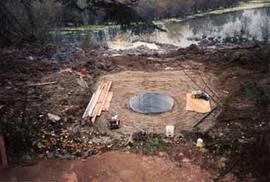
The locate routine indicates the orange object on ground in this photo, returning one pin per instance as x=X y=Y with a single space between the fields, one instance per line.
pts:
x=197 y=105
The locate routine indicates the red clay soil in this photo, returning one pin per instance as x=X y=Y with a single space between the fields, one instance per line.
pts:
x=111 y=166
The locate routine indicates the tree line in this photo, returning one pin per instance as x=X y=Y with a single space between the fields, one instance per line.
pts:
x=30 y=21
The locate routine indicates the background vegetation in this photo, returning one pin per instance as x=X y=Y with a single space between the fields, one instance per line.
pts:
x=28 y=21
x=152 y=9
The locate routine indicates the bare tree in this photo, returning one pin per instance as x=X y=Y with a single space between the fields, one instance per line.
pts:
x=265 y=27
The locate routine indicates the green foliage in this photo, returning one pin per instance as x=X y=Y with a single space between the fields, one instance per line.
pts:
x=148 y=144
x=152 y=146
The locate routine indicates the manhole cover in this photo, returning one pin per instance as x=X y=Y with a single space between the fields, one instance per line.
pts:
x=151 y=103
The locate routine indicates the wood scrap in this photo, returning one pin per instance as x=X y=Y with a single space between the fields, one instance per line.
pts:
x=100 y=101
x=42 y=84
x=67 y=70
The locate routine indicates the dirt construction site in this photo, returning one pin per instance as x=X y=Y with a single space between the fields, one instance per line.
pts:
x=43 y=101
x=176 y=84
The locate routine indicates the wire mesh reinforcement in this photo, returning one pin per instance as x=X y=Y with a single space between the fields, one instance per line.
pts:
x=151 y=103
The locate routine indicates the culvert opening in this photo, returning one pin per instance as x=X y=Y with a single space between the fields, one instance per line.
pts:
x=151 y=103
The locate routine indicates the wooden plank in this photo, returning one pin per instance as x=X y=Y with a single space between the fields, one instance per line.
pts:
x=92 y=103
x=106 y=92
x=42 y=84
x=100 y=97
x=97 y=98
x=99 y=89
x=89 y=109
x=85 y=114
x=96 y=105
x=108 y=101
x=99 y=106
x=96 y=109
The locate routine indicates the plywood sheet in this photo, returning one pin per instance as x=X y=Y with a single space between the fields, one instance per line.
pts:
x=197 y=105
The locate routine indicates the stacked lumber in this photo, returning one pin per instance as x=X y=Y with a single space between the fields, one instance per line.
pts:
x=99 y=102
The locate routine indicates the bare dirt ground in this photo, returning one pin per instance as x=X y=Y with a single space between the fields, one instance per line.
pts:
x=236 y=141
x=173 y=83
x=111 y=166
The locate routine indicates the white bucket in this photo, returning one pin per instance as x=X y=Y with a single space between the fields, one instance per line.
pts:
x=169 y=131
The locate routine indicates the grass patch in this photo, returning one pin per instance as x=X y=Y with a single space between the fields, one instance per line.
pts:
x=239 y=7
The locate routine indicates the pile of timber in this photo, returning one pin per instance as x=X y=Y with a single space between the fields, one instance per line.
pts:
x=99 y=102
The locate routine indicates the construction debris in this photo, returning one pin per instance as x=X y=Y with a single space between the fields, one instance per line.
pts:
x=53 y=117
x=42 y=84
x=99 y=102
x=67 y=70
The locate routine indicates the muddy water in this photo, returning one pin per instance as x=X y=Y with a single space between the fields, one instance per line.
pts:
x=235 y=27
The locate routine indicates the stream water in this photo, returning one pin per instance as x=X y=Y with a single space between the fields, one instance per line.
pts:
x=234 y=27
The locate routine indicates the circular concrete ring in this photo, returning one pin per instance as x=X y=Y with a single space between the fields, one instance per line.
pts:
x=151 y=103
